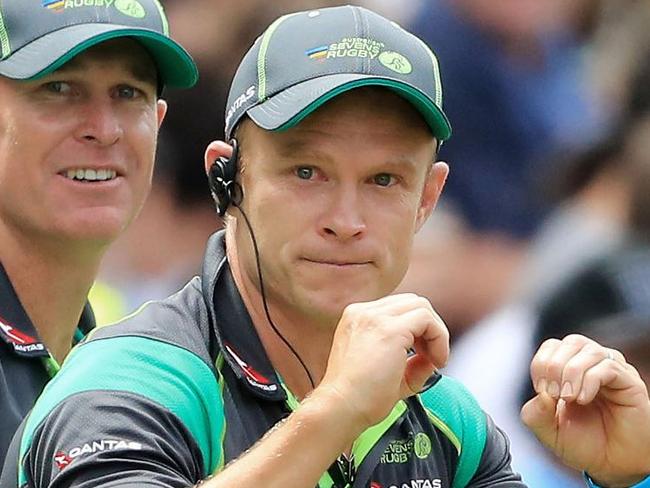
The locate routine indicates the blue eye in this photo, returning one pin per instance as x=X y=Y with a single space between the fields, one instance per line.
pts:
x=57 y=87
x=126 y=91
x=305 y=172
x=383 y=179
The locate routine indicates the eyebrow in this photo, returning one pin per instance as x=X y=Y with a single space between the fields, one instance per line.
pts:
x=302 y=147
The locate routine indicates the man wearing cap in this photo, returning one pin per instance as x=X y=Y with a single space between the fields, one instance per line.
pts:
x=79 y=117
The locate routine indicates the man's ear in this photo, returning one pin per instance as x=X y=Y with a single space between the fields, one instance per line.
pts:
x=433 y=186
x=214 y=151
x=161 y=111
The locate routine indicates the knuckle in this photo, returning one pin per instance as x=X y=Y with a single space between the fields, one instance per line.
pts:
x=594 y=350
x=575 y=340
x=572 y=370
x=549 y=344
x=554 y=367
x=618 y=356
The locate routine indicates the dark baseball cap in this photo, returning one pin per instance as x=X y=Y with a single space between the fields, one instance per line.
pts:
x=304 y=59
x=39 y=36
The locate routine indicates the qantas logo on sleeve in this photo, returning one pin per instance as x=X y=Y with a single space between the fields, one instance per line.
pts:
x=20 y=341
x=64 y=459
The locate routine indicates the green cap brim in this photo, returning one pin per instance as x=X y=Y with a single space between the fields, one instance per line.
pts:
x=287 y=108
x=48 y=53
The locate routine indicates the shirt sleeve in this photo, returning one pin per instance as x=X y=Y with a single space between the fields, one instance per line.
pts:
x=111 y=439
x=125 y=411
x=494 y=469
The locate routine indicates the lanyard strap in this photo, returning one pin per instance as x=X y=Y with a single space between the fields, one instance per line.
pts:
x=51 y=366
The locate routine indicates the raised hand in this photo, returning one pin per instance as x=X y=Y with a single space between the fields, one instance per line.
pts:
x=369 y=364
x=591 y=409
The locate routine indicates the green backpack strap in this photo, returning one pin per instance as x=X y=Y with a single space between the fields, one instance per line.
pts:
x=457 y=414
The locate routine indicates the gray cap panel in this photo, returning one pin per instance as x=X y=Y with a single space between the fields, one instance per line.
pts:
x=316 y=45
x=28 y=20
x=39 y=36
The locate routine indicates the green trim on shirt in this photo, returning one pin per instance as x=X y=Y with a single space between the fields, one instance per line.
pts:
x=455 y=412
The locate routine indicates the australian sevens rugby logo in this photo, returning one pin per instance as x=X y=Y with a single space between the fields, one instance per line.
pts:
x=131 y=8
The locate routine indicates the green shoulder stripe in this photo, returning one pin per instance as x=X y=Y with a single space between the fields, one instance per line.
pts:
x=455 y=412
x=166 y=374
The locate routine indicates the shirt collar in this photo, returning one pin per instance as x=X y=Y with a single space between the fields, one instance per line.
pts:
x=17 y=330
x=236 y=336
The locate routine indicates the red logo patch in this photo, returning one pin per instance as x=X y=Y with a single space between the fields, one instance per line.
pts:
x=14 y=335
x=62 y=460
x=249 y=370
x=20 y=341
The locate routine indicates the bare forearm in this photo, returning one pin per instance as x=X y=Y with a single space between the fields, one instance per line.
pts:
x=298 y=451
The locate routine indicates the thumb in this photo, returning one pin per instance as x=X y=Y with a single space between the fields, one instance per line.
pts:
x=418 y=370
x=539 y=416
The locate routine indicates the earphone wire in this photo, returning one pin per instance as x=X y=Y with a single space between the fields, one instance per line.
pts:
x=266 y=308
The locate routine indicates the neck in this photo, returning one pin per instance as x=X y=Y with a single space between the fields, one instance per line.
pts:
x=312 y=341
x=52 y=282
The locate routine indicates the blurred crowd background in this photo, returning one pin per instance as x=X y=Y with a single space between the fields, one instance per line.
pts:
x=544 y=228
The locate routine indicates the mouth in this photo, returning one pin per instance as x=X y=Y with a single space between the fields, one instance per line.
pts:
x=89 y=175
x=338 y=263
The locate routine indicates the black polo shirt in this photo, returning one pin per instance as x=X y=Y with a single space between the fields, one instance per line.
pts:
x=183 y=387
x=25 y=364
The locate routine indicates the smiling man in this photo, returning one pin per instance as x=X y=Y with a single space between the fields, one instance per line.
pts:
x=288 y=363
x=79 y=118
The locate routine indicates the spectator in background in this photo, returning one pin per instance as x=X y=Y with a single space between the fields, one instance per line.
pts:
x=518 y=92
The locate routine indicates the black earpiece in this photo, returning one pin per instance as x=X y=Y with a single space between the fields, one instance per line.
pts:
x=221 y=179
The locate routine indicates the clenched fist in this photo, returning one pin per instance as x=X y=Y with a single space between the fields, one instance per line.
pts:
x=369 y=364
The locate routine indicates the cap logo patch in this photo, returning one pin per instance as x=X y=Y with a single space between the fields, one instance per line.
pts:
x=132 y=8
x=396 y=62
x=347 y=47
x=54 y=5
x=319 y=52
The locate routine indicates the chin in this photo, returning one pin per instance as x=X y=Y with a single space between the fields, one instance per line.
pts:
x=330 y=306
x=102 y=227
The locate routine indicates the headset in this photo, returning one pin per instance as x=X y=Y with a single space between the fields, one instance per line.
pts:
x=222 y=180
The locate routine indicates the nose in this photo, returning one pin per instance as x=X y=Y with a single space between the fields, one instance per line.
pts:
x=99 y=123
x=343 y=217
